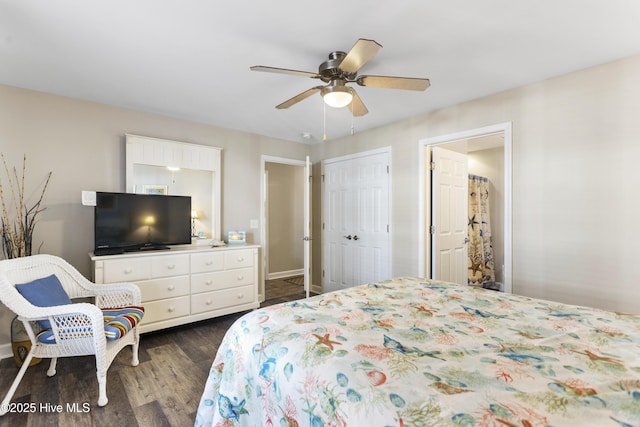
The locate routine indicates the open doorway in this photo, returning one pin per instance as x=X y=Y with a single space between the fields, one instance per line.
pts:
x=488 y=153
x=283 y=225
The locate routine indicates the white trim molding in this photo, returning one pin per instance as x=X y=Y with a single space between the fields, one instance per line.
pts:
x=285 y=274
x=6 y=351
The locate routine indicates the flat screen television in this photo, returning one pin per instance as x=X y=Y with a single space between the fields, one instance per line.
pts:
x=126 y=222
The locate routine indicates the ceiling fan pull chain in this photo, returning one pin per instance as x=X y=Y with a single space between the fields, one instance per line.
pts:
x=352 y=129
x=324 y=121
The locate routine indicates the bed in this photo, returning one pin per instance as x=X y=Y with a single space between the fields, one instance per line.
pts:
x=410 y=352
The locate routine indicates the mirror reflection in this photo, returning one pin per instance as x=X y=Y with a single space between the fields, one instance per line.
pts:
x=198 y=184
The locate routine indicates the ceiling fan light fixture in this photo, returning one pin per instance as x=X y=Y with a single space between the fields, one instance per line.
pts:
x=337 y=96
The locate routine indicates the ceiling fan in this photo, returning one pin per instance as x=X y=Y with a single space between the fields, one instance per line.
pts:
x=342 y=68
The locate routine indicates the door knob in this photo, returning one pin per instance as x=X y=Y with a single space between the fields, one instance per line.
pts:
x=355 y=238
x=348 y=237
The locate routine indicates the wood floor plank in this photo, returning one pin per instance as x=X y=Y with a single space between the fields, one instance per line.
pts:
x=190 y=342
x=45 y=393
x=17 y=418
x=177 y=413
x=9 y=371
x=151 y=414
x=179 y=378
x=143 y=384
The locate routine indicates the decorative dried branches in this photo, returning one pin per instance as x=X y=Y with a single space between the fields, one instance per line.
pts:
x=17 y=235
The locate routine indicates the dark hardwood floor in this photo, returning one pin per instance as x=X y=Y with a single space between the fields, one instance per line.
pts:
x=163 y=390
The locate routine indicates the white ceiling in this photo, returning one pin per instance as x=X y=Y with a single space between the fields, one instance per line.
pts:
x=190 y=59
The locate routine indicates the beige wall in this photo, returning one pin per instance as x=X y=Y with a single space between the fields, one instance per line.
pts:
x=82 y=143
x=286 y=217
x=575 y=149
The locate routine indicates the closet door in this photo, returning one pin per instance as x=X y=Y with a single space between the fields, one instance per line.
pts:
x=356 y=236
x=370 y=219
x=337 y=268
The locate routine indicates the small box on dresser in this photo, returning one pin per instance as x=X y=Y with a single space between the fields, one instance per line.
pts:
x=186 y=284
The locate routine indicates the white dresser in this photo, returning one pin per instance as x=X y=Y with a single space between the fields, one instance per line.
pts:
x=186 y=284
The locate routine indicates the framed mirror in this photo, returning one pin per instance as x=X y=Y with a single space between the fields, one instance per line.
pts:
x=165 y=167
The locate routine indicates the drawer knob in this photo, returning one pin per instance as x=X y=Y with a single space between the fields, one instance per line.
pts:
x=208 y=262
x=209 y=282
x=171 y=287
x=240 y=277
x=171 y=266
x=240 y=295
x=128 y=270
x=209 y=302
x=240 y=258
x=171 y=309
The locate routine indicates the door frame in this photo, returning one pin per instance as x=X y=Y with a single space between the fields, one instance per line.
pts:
x=264 y=159
x=424 y=204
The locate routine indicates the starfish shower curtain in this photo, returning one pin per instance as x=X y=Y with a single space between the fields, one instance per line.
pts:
x=480 y=247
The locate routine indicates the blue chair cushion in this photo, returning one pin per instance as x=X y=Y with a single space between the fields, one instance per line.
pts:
x=117 y=322
x=44 y=292
x=46 y=337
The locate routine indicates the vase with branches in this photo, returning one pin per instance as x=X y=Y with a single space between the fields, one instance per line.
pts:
x=18 y=220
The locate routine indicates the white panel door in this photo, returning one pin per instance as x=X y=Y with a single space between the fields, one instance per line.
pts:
x=336 y=241
x=370 y=198
x=449 y=216
x=356 y=218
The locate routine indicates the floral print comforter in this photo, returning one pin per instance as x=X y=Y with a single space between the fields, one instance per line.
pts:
x=410 y=352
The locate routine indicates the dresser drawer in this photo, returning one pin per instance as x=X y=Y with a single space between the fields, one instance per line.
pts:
x=238 y=259
x=221 y=299
x=164 y=288
x=169 y=265
x=207 y=261
x=221 y=280
x=166 y=309
x=127 y=270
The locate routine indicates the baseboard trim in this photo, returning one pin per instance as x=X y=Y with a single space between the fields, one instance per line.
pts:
x=283 y=274
x=6 y=351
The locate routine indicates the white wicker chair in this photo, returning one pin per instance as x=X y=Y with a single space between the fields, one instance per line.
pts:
x=71 y=320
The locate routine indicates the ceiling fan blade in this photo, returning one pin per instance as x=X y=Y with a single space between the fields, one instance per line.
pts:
x=407 y=83
x=284 y=71
x=299 y=97
x=357 y=106
x=360 y=54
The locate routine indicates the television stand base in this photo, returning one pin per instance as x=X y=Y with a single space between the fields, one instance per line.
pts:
x=151 y=248
x=108 y=251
